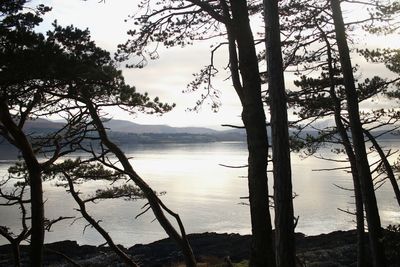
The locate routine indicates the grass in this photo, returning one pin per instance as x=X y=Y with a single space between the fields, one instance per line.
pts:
x=241 y=264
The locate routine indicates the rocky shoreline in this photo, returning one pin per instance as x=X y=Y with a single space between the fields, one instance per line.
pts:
x=325 y=250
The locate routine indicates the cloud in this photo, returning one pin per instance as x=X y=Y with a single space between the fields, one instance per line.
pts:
x=165 y=77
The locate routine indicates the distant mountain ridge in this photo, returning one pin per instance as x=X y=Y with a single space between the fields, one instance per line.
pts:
x=131 y=127
x=40 y=124
x=120 y=129
x=124 y=126
x=128 y=134
x=116 y=126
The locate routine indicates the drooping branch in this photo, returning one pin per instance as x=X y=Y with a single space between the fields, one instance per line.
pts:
x=82 y=208
x=154 y=201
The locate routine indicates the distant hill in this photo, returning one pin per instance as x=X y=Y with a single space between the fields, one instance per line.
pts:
x=41 y=125
x=120 y=127
x=131 y=127
x=126 y=132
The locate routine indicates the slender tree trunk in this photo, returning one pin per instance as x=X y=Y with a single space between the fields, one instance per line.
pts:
x=35 y=182
x=262 y=249
x=367 y=187
x=361 y=260
x=283 y=194
x=253 y=116
x=352 y=159
x=361 y=256
x=155 y=203
x=386 y=164
x=37 y=210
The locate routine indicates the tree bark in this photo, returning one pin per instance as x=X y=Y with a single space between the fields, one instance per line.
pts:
x=283 y=194
x=35 y=182
x=253 y=116
x=367 y=188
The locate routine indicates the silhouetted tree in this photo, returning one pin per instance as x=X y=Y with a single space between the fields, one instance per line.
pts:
x=71 y=173
x=179 y=23
x=12 y=193
x=13 y=198
x=391 y=59
x=42 y=76
x=16 y=28
x=367 y=188
x=102 y=85
x=283 y=203
x=309 y=47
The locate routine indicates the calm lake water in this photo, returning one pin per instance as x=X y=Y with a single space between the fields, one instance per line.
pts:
x=206 y=195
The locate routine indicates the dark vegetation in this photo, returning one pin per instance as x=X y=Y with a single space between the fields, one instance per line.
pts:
x=64 y=73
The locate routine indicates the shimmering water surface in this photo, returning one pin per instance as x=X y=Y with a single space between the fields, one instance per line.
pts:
x=206 y=195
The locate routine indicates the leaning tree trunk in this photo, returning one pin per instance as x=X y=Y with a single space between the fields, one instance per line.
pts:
x=35 y=183
x=386 y=164
x=367 y=187
x=283 y=194
x=361 y=261
x=254 y=120
x=95 y=224
x=155 y=203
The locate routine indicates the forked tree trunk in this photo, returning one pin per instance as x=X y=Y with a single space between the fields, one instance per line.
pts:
x=350 y=154
x=283 y=194
x=35 y=182
x=254 y=120
x=367 y=187
x=155 y=203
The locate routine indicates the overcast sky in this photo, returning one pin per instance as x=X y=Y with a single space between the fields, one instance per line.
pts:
x=168 y=76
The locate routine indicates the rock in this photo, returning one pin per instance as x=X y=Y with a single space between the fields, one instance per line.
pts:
x=335 y=249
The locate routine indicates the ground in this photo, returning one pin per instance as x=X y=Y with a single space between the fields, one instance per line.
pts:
x=326 y=250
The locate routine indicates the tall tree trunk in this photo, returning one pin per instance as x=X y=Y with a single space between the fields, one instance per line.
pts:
x=155 y=203
x=283 y=194
x=361 y=260
x=35 y=182
x=253 y=116
x=350 y=154
x=367 y=187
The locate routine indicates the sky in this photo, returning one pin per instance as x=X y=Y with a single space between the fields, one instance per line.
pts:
x=166 y=77
x=169 y=75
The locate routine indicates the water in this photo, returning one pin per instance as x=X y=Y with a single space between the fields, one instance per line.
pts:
x=205 y=194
